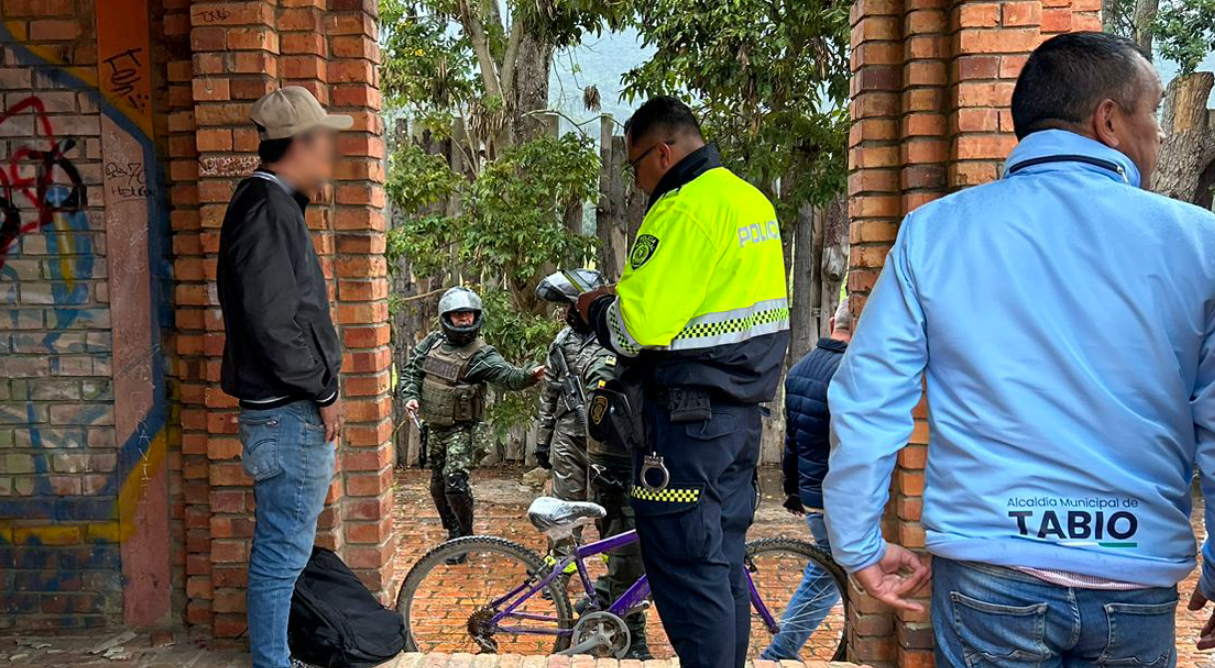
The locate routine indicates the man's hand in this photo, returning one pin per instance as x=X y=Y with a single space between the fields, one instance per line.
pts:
x=587 y=298
x=886 y=581
x=331 y=416
x=793 y=504
x=538 y=373
x=1206 y=638
x=412 y=406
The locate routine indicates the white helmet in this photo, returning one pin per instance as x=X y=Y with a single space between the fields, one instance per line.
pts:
x=460 y=299
x=564 y=287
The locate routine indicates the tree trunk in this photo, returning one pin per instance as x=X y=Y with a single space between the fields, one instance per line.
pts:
x=1189 y=149
x=833 y=259
x=804 y=308
x=533 y=62
x=1143 y=21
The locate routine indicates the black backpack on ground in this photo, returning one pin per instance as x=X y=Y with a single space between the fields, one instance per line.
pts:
x=336 y=622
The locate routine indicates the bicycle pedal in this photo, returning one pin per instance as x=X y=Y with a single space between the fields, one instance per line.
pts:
x=638 y=609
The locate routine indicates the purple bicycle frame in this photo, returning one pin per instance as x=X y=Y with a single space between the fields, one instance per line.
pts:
x=632 y=598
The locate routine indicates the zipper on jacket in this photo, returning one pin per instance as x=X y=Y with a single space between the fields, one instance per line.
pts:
x=1086 y=159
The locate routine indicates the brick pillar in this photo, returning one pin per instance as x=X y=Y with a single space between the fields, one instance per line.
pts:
x=235 y=51
x=187 y=494
x=931 y=85
x=874 y=189
x=362 y=294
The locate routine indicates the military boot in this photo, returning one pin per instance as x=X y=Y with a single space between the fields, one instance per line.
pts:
x=439 y=495
x=460 y=500
x=639 y=648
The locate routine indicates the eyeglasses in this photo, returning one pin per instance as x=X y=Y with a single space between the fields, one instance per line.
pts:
x=631 y=168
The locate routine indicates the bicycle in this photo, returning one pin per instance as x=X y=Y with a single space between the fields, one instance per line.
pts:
x=506 y=598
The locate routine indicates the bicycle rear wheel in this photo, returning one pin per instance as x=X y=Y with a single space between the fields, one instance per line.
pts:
x=450 y=607
x=806 y=597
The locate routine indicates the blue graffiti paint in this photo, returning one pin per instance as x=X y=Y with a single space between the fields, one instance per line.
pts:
x=131 y=451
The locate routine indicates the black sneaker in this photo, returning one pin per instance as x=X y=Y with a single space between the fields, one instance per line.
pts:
x=456 y=560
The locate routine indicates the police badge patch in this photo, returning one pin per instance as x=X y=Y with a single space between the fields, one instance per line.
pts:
x=643 y=250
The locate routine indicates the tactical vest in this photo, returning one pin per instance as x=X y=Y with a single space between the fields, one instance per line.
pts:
x=446 y=399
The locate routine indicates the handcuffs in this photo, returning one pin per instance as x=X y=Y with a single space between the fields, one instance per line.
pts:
x=653 y=462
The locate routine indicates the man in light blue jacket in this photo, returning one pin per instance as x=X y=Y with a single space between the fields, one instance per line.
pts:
x=1063 y=318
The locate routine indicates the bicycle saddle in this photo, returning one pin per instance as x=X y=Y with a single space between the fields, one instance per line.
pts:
x=554 y=516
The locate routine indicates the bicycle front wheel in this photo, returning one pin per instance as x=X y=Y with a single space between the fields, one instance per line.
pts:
x=799 y=602
x=470 y=595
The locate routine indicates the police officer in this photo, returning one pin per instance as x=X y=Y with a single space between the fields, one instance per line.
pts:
x=576 y=362
x=445 y=383
x=701 y=317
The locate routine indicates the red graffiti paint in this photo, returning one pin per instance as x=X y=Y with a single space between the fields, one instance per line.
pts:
x=35 y=188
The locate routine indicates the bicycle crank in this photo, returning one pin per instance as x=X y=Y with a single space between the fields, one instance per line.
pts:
x=600 y=631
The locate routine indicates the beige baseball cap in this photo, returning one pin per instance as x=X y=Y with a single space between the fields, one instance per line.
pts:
x=291 y=110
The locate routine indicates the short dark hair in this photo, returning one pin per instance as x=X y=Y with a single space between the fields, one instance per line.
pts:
x=662 y=114
x=1069 y=75
x=270 y=151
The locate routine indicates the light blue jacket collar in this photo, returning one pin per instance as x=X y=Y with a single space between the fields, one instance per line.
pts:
x=1050 y=150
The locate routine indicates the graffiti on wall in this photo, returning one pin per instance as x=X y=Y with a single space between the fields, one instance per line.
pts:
x=44 y=195
x=52 y=188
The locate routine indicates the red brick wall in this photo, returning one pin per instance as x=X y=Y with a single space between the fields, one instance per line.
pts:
x=59 y=456
x=932 y=81
x=166 y=508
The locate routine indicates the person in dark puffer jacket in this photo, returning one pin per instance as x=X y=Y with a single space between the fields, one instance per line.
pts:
x=804 y=465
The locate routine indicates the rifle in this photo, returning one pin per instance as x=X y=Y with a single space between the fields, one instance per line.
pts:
x=573 y=395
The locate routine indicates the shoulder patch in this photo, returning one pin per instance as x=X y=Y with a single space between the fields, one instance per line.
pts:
x=643 y=250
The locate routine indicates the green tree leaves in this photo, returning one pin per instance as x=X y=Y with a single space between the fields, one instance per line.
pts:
x=1185 y=30
x=770 y=78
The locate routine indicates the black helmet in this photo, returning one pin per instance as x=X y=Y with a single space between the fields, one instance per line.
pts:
x=564 y=286
x=455 y=300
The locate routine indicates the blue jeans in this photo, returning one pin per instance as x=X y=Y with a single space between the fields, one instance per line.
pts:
x=285 y=452
x=811 y=602
x=990 y=616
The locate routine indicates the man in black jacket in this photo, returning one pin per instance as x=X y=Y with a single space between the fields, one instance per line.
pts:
x=281 y=354
x=807 y=446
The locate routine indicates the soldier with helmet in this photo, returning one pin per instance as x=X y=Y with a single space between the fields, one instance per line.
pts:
x=584 y=468
x=445 y=383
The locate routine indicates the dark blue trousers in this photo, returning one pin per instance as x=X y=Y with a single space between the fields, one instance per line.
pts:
x=693 y=532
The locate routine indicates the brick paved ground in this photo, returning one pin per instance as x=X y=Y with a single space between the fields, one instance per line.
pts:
x=501 y=504
x=501 y=511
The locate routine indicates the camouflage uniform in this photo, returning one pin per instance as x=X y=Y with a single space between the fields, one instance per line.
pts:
x=562 y=437
x=611 y=479
x=451 y=448
x=562 y=413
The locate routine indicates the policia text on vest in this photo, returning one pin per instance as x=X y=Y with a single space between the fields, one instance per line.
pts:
x=700 y=320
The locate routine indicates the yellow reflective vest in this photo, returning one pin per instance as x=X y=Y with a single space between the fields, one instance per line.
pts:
x=705 y=283
x=706 y=270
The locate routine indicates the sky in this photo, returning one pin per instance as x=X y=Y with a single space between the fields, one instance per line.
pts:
x=601 y=61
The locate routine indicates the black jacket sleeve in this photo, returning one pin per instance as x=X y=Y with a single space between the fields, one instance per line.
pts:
x=596 y=316
x=265 y=267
